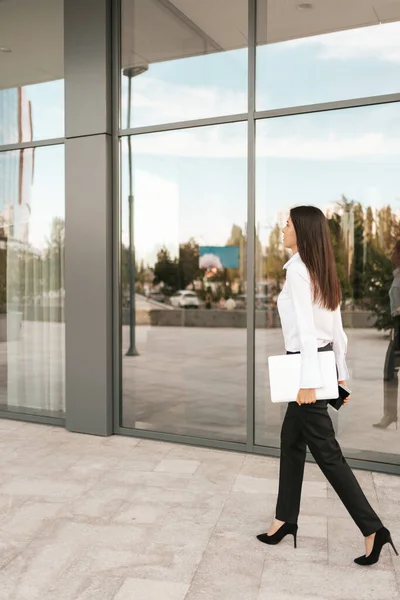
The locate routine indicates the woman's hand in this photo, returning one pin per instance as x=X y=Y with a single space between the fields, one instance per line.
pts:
x=306 y=396
x=345 y=385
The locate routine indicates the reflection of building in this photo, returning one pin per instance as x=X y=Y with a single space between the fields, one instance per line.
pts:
x=16 y=168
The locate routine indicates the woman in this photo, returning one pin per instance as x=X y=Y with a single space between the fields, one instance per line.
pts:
x=309 y=307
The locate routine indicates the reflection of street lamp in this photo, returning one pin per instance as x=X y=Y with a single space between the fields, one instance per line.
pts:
x=131 y=72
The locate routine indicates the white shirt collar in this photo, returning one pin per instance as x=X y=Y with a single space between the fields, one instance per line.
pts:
x=295 y=256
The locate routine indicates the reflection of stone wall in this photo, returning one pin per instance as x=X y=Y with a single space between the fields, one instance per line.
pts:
x=265 y=319
x=358 y=319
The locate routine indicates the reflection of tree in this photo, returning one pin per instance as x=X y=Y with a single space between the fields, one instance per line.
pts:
x=363 y=239
x=365 y=269
x=166 y=270
x=189 y=269
x=53 y=258
x=26 y=274
x=352 y=222
x=276 y=257
x=379 y=267
x=340 y=252
x=142 y=274
x=238 y=276
x=180 y=273
x=378 y=279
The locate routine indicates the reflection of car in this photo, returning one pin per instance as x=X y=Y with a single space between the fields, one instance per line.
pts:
x=157 y=296
x=185 y=299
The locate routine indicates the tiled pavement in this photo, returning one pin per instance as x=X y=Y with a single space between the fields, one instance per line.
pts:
x=89 y=518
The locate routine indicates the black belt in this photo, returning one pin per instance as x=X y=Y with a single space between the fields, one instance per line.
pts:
x=326 y=348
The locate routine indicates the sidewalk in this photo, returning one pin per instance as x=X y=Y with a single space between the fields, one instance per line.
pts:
x=90 y=518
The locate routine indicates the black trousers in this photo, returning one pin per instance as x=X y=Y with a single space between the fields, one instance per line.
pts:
x=310 y=425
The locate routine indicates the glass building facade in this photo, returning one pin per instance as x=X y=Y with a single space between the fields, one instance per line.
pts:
x=150 y=151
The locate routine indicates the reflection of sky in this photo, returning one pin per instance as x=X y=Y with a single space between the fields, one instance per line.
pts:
x=196 y=179
x=47 y=194
x=193 y=183
x=336 y=66
x=192 y=88
x=47 y=102
x=178 y=196
x=47 y=109
x=310 y=159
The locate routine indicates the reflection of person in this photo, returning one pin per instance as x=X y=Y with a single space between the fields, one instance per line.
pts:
x=392 y=360
x=309 y=308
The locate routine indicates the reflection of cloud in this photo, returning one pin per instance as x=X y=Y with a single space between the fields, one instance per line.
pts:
x=156 y=216
x=229 y=142
x=221 y=141
x=379 y=42
x=332 y=147
x=169 y=102
x=209 y=261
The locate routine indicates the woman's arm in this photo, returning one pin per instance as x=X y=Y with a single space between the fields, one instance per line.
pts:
x=299 y=288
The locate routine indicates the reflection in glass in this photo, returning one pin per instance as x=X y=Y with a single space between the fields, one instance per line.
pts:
x=187 y=239
x=32 y=234
x=186 y=63
x=392 y=359
x=328 y=52
x=31 y=71
x=346 y=163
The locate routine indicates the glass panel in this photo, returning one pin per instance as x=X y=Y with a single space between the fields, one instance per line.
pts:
x=31 y=70
x=187 y=201
x=347 y=163
x=183 y=60
x=32 y=294
x=324 y=51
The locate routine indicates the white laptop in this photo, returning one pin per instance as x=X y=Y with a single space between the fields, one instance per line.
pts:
x=284 y=377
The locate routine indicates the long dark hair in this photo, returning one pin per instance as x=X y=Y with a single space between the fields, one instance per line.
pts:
x=316 y=251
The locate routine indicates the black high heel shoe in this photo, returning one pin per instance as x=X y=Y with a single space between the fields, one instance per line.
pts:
x=382 y=537
x=283 y=531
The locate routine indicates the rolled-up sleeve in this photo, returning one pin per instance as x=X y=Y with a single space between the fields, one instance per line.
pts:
x=340 y=345
x=299 y=287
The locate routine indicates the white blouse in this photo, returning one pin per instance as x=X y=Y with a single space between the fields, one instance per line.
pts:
x=307 y=326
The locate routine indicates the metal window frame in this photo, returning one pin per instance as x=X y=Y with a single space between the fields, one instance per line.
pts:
x=36 y=144
x=327 y=106
x=379 y=462
x=116 y=202
x=251 y=224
